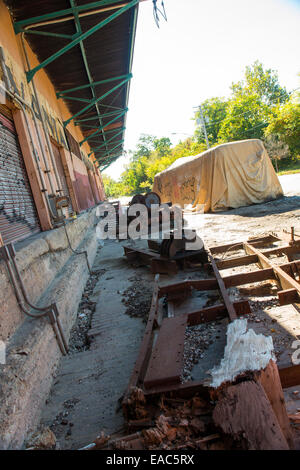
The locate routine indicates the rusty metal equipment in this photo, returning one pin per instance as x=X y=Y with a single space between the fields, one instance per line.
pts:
x=167 y=255
x=146 y=199
x=59 y=207
x=160 y=361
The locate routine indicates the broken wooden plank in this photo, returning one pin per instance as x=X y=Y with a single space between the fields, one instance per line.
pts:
x=285 y=279
x=289 y=375
x=238 y=245
x=237 y=261
x=229 y=306
x=215 y=312
x=202 y=284
x=244 y=413
x=163 y=266
x=270 y=380
x=146 y=345
x=288 y=296
x=141 y=255
x=166 y=362
x=212 y=283
x=247 y=278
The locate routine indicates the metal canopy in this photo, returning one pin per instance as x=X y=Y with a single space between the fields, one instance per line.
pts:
x=94 y=40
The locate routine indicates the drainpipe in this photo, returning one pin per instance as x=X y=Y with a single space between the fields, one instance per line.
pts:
x=8 y=254
x=78 y=252
x=42 y=119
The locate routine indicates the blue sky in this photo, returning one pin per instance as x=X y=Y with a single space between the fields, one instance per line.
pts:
x=202 y=48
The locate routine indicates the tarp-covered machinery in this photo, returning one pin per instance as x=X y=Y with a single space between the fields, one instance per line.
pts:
x=227 y=176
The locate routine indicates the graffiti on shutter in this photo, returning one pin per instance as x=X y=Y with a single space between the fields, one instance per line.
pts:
x=18 y=215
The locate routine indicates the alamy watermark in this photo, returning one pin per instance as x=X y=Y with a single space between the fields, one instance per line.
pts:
x=2 y=352
x=296 y=354
x=139 y=222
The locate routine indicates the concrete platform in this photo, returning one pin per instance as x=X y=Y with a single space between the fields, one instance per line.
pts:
x=85 y=395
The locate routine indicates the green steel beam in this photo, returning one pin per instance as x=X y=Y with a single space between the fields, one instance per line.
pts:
x=116 y=146
x=105 y=155
x=109 y=163
x=54 y=35
x=85 y=62
x=105 y=152
x=110 y=106
x=94 y=101
x=60 y=94
x=19 y=25
x=107 y=132
x=109 y=140
x=30 y=74
x=74 y=98
x=102 y=127
x=79 y=122
x=116 y=154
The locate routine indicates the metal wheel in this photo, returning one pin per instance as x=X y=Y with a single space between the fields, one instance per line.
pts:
x=152 y=198
x=138 y=199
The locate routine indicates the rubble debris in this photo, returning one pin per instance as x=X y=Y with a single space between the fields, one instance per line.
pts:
x=62 y=424
x=176 y=423
x=135 y=404
x=79 y=340
x=197 y=340
x=137 y=298
x=42 y=439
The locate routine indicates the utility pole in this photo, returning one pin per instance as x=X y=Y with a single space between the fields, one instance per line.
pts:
x=203 y=126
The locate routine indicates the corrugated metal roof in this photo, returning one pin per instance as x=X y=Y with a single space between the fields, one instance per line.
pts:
x=108 y=54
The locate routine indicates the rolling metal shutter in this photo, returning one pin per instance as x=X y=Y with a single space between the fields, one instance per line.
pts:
x=18 y=215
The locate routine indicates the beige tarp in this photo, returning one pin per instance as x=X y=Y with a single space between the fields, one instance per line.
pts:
x=228 y=176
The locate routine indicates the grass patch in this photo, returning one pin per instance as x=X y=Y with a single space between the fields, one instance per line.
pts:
x=288 y=172
x=288 y=166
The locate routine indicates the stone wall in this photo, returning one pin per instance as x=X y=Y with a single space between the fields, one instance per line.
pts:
x=39 y=259
x=51 y=273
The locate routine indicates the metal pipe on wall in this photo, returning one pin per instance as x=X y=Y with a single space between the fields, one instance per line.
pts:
x=46 y=311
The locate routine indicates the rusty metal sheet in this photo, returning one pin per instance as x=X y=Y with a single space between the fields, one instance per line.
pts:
x=166 y=362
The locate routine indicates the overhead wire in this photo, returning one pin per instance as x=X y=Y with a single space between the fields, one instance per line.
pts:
x=157 y=12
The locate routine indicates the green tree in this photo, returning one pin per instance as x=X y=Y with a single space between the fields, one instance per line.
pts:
x=246 y=118
x=253 y=103
x=285 y=124
x=112 y=188
x=214 y=112
x=263 y=83
x=247 y=112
